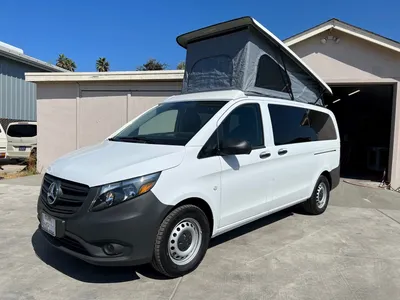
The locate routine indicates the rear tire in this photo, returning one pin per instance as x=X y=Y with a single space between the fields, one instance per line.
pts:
x=182 y=241
x=319 y=199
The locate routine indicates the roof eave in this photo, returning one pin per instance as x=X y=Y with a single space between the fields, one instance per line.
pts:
x=167 y=75
x=30 y=61
x=346 y=28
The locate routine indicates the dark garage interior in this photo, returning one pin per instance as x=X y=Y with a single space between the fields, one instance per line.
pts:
x=364 y=115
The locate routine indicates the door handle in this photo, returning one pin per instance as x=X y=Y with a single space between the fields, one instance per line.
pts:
x=282 y=151
x=265 y=154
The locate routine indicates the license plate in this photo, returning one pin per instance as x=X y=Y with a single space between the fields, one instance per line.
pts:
x=48 y=224
x=22 y=148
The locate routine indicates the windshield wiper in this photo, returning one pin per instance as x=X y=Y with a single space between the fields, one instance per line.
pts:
x=131 y=139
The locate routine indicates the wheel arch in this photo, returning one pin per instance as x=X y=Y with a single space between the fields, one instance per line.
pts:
x=203 y=205
x=328 y=176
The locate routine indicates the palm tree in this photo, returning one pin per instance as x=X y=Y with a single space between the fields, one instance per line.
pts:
x=71 y=66
x=65 y=63
x=181 y=65
x=102 y=65
x=61 y=60
x=152 y=65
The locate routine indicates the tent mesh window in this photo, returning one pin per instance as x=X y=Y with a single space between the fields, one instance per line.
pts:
x=215 y=72
x=271 y=76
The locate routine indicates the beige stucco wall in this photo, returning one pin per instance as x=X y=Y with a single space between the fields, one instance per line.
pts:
x=353 y=60
x=75 y=115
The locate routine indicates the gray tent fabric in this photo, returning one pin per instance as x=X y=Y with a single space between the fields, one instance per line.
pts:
x=247 y=61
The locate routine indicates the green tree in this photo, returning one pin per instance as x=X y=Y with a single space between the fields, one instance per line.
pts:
x=152 y=65
x=65 y=63
x=102 y=65
x=181 y=66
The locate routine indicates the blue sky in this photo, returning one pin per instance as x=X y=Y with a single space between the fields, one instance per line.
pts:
x=128 y=32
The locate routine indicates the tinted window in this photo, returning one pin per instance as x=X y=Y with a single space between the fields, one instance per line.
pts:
x=271 y=76
x=297 y=125
x=244 y=122
x=322 y=124
x=170 y=123
x=25 y=130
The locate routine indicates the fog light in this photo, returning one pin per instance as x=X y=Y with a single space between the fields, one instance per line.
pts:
x=113 y=249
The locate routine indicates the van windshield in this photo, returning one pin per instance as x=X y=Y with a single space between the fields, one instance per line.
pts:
x=172 y=123
x=22 y=130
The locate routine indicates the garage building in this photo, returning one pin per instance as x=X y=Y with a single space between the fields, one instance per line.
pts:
x=362 y=68
x=18 y=97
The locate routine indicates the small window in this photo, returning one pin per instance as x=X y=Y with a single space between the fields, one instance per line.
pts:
x=244 y=122
x=292 y=125
x=271 y=76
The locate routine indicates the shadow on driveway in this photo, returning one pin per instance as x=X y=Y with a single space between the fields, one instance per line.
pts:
x=86 y=272
x=83 y=271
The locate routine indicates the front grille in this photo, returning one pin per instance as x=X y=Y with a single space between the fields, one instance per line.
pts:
x=72 y=198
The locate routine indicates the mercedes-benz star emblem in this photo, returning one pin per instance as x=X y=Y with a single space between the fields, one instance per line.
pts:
x=53 y=192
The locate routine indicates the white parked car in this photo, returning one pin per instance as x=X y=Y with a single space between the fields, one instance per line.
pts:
x=3 y=143
x=22 y=139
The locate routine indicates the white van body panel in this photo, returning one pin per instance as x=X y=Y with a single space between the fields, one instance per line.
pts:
x=20 y=147
x=114 y=161
x=238 y=189
x=3 y=143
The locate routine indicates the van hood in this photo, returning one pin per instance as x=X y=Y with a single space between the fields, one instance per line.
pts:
x=115 y=161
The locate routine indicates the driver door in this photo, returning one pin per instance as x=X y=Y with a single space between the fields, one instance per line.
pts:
x=244 y=178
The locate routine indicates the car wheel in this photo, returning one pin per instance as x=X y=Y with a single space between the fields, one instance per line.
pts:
x=318 y=201
x=182 y=241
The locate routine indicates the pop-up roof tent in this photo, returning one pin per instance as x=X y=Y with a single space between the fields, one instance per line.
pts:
x=242 y=54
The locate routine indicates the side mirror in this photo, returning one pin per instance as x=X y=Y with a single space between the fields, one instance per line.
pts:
x=234 y=147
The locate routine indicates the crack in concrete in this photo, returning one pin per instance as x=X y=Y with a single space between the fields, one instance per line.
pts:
x=175 y=289
x=386 y=215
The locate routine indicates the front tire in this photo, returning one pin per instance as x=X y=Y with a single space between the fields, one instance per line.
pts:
x=319 y=200
x=182 y=241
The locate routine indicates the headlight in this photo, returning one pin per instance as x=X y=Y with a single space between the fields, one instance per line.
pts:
x=116 y=193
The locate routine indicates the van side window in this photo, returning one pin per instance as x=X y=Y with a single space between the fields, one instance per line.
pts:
x=322 y=124
x=244 y=122
x=292 y=125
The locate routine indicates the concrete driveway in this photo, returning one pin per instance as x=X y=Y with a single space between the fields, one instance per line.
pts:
x=350 y=252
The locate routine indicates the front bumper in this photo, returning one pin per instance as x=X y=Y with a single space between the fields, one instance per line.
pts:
x=132 y=226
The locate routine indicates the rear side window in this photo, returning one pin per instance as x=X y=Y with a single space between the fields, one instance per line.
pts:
x=292 y=125
x=322 y=124
x=23 y=130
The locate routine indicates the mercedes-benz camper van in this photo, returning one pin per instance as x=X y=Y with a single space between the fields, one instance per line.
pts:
x=235 y=146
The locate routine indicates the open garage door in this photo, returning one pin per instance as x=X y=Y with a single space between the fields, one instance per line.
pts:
x=364 y=116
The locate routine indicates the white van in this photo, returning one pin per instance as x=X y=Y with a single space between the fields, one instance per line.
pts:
x=185 y=171
x=232 y=148
x=22 y=139
x=3 y=143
